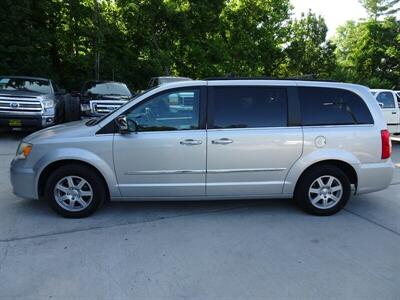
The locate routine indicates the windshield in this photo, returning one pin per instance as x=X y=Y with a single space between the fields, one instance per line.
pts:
x=95 y=121
x=106 y=88
x=25 y=84
x=163 y=80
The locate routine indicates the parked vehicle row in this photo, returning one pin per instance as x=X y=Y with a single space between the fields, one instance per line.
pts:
x=318 y=142
x=34 y=103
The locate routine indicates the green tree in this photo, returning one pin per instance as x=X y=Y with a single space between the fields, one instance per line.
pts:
x=24 y=40
x=378 y=8
x=254 y=31
x=368 y=52
x=307 y=50
x=199 y=51
x=139 y=39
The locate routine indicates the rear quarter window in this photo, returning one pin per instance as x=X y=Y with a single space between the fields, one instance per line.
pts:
x=330 y=106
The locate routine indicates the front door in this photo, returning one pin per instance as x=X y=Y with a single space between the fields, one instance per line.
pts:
x=250 y=147
x=166 y=157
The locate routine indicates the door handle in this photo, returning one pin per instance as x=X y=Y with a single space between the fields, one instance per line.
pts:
x=190 y=142
x=223 y=141
x=394 y=113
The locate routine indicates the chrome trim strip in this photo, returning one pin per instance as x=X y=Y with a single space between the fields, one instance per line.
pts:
x=160 y=184
x=245 y=170
x=220 y=171
x=19 y=112
x=19 y=99
x=163 y=172
x=20 y=102
x=21 y=108
x=243 y=183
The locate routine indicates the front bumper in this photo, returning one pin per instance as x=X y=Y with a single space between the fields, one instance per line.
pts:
x=98 y=108
x=23 y=180
x=374 y=177
x=22 y=121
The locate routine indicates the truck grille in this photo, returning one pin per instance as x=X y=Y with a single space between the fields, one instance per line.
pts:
x=10 y=103
x=105 y=106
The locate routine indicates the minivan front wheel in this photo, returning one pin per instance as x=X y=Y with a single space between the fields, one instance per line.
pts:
x=323 y=190
x=75 y=191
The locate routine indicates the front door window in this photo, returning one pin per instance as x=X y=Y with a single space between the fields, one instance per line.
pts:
x=170 y=111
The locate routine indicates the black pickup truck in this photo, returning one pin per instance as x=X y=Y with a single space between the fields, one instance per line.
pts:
x=34 y=102
x=102 y=97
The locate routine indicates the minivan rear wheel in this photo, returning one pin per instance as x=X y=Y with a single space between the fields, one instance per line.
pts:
x=323 y=190
x=75 y=191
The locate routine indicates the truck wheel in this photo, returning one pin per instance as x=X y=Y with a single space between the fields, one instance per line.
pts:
x=75 y=191
x=72 y=108
x=323 y=190
x=60 y=112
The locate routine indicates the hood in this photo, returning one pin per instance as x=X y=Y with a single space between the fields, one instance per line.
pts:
x=62 y=131
x=20 y=93
x=105 y=97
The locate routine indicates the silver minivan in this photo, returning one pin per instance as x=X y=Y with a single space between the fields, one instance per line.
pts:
x=316 y=142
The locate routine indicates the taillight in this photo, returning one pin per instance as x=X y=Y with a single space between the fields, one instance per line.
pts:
x=386 y=144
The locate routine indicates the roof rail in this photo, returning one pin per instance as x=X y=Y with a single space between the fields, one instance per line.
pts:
x=298 y=78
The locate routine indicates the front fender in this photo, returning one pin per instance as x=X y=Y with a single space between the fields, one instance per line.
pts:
x=314 y=157
x=78 y=154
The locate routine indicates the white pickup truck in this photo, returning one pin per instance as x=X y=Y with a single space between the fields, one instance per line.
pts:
x=389 y=102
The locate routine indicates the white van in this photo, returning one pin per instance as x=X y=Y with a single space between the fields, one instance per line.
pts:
x=388 y=101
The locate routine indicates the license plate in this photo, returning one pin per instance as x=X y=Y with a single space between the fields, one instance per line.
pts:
x=13 y=123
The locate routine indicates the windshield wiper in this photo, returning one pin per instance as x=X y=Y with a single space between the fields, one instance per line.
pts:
x=92 y=122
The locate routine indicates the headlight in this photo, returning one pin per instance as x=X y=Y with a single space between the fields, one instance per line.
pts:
x=48 y=103
x=24 y=149
x=85 y=107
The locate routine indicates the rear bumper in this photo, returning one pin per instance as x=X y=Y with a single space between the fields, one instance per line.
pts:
x=374 y=177
x=23 y=180
x=19 y=121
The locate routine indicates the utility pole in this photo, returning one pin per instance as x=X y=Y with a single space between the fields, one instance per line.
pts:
x=97 y=41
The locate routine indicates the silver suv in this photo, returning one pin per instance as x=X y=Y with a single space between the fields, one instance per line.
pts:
x=318 y=142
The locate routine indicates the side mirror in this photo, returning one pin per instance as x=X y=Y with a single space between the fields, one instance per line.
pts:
x=122 y=124
x=125 y=125
x=381 y=104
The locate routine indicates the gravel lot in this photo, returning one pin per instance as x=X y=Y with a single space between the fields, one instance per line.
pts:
x=199 y=250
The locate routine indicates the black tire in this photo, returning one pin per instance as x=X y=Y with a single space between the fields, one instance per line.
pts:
x=95 y=184
x=72 y=108
x=308 y=180
x=60 y=112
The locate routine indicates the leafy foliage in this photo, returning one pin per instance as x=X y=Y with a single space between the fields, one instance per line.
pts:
x=308 y=51
x=137 y=39
x=369 y=52
x=378 y=8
